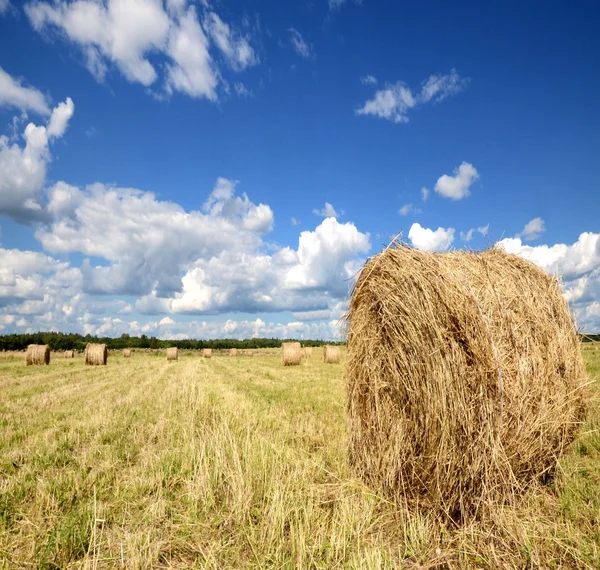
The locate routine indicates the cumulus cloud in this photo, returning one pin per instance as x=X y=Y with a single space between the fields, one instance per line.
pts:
x=13 y=93
x=129 y=34
x=301 y=47
x=457 y=186
x=577 y=264
x=429 y=240
x=395 y=100
x=533 y=229
x=23 y=168
x=328 y=211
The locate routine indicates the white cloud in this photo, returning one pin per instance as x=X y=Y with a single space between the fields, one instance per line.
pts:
x=467 y=236
x=241 y=90
x=130 y=34
x=533 y=229
x=424 y=193
x=457 y=187
x=408 y=209
x=191 y=70
x=294 y=221
x=4 y=6
x=429 y=240
x=578 y=265
x=14 y=94
x=60 y=118
x=328 y=211
x=484 y=230
x=397 y=99
x=301 y=47
x=368 y=80
x=236 y=49
x=438 y=87
x=23 y=169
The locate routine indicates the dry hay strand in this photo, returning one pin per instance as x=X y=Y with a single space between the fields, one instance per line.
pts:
x=307 y=352
x=233 y=352
x=127 y=352
x=172 y=353
x=331 y=354
x=69 y=354
x=37 y=354
x=291 y=353
x=465 y=380
x=207 y=352
x=96 y=354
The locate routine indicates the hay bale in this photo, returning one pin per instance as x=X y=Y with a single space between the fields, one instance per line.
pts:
x=307 y=352
x=464 y=375
x=37 y=354
x=96 y=354
x=172 y=353
x=291 y=353
x=233 y=352
x=249 y=353
x=207 y=352
x=331 y=354
x=127 y=352
x=69 y=354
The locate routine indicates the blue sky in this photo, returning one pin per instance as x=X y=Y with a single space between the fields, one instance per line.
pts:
x=223 y=169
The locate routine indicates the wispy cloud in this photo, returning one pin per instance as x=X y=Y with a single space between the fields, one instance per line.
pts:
x=368 y=80
x=300 y=45
x=328 y=211
x=533 y=229
x=397 y=99
x=408 y=209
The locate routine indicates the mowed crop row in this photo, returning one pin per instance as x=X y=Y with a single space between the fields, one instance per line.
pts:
x=238 y=463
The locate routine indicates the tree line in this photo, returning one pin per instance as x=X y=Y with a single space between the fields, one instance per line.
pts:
x=74 y=341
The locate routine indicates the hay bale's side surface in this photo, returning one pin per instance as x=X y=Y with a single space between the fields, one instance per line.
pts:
x=249 y=353
x=307 y=352
x=233 y=352
x=464 y=376
x=291 y=353
x=37 y=354
x=69 y=354
x=96 y=354
x=127 y=353
x=172 y=353
x=331 y=354
x=207 y=352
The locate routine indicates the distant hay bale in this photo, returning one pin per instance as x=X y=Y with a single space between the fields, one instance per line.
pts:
x=307 y=352
x=465 y=380
x=331 y=354
x=96 y=354
x=249 y=353
x=37 y=354
x=207 y=352
x=291 y=353
x=69 y=354
x=127 y=352
x=233 y=352
x=172 y=353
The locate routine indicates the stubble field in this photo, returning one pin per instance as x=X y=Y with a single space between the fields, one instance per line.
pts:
x=239 y=463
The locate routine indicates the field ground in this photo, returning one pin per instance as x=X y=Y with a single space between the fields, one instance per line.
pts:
x=239 y=463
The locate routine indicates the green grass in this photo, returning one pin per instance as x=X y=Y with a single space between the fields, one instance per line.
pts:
x=239 y=463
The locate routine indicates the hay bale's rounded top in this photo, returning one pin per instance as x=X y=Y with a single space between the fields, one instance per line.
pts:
x=464 y=375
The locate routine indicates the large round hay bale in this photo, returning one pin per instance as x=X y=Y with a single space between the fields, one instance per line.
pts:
x=207 y=352
x=307 y=352
x=464 y=376
x=96 y=354
x=37 y=354
x=127 y=352
x=233 y=352
x=291 y=353
x=249 y=353
x=331 y=354
x=172 y=353
x=69 y=354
